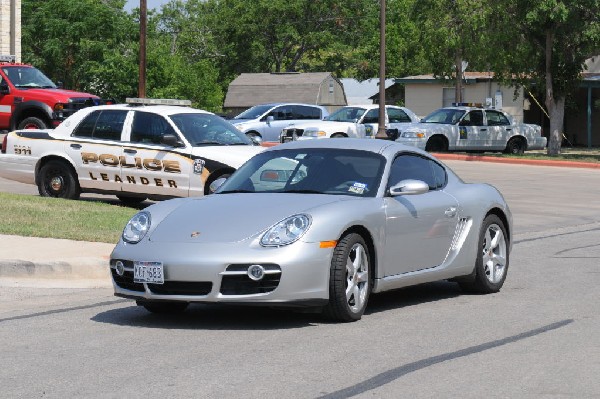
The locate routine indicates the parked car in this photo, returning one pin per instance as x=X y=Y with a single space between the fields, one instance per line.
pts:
x=338 y=220
x=468 y=128
x=265 y=122
x=30 y=100
x=135 y=151
x=350 y=121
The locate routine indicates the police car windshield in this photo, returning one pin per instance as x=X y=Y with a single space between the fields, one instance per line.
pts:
x=209 y=129
x=346 y=114
x=444 y=115
x=254 y=112
x=24 y=77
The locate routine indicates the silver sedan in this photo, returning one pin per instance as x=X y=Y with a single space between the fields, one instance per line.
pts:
x=318 y=223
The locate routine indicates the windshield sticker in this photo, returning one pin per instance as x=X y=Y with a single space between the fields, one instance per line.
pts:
x=357 y=188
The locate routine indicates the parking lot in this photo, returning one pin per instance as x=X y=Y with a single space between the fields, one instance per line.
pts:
x=537 y=338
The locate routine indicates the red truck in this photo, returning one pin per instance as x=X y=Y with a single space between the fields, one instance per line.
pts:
x=30 y=100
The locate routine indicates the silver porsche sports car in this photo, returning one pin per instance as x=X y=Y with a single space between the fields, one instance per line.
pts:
x=317 y=223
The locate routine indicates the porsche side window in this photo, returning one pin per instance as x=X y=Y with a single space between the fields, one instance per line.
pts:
x=412 y=167
x=101 y=124
x=149 y=128
x=439 y=174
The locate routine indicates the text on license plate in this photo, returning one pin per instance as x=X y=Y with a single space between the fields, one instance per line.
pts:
x=148 y=272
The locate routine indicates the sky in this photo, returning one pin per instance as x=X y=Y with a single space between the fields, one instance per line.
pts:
x=131 y=4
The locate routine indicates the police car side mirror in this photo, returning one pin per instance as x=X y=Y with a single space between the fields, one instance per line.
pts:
x=171 y=140
x=4 y=89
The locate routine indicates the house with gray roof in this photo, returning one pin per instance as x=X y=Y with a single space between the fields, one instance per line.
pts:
x=249 y=89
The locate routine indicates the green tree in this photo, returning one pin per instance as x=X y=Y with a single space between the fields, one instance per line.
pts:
x=452 y=32
x=545 y=44
x=85 y=44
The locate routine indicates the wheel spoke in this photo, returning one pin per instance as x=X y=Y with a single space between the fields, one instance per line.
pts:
x=362 y=277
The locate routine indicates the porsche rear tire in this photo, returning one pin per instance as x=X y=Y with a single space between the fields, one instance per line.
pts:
x=492 y=260
x=350 y=281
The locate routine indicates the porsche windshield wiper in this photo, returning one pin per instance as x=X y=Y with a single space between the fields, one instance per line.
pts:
x=303 y=191
x=234 y=191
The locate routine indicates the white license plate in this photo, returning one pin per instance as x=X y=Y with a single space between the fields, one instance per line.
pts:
x=148 y=272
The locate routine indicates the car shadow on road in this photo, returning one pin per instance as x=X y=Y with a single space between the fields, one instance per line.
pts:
x=232 y=317
x=411 y=296
x=211 y=317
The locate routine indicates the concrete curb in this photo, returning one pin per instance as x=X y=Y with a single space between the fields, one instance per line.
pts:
x=516 y=161
x=484 y=158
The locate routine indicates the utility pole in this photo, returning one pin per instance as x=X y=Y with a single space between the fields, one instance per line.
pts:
x=143 y=28
x=381 y=130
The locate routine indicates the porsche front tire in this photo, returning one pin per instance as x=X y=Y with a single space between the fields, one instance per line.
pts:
x=349 y=280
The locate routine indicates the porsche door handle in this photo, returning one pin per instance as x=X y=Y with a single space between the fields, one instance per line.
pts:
x=76 y=146
x=450 y=212
x=129 y=151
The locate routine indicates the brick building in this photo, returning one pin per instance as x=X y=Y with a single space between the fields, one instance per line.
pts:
x=10 y=28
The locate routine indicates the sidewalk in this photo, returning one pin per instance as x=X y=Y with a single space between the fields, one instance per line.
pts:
x=33 y=257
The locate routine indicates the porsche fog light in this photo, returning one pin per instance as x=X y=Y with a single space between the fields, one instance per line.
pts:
x=286 y=232
x=256 y=272
x=136 y=228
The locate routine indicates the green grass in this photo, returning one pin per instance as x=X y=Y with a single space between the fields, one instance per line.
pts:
x=33 y=216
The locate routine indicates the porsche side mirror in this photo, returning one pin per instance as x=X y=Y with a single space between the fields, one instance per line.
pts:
x=409 y=187
x=214 y=186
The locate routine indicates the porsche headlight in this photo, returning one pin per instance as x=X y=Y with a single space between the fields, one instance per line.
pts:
x=413 y=135
x=286 y=232
x=136 y=228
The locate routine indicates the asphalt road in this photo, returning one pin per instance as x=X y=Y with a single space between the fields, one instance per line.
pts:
x=538 y=338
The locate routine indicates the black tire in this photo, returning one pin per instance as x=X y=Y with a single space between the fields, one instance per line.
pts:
x=131 y=200
x=253 y=136
x=351 y=252
x=436 y=144
x=491 y=265
x=163 y=307
x=32 y=123
x=207 y=187
x=515 y=146
x=57 y=179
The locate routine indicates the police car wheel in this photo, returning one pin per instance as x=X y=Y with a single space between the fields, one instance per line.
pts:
x=132 y=201
x=32 y=123
x=58 y=180
x=515 y=146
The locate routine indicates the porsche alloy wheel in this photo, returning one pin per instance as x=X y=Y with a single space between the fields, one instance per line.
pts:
x=492 y=258
x=350 y=279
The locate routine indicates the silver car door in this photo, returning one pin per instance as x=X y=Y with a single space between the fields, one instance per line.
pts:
x=419 y=228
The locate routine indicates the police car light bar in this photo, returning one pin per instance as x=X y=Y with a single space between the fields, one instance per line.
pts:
x=8 y=58
x=157 y=101
x=478 y=105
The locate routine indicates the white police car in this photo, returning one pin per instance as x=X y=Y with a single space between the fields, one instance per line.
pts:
x=469 y=127
x=147 y=148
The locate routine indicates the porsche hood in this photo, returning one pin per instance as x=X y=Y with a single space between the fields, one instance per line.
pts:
x=223 y=218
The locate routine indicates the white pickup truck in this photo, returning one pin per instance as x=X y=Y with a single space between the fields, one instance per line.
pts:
x=143 y=149
x=465 y=128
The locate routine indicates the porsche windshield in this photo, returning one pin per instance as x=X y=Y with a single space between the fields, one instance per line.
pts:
x=309 y=171
x=444 y=115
